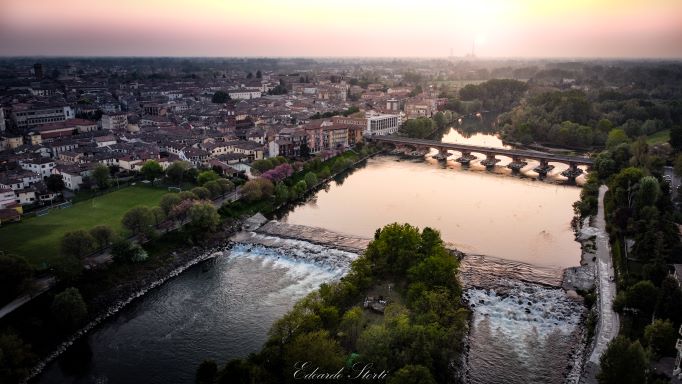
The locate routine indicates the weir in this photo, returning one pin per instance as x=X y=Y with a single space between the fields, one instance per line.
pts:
x=475 y=271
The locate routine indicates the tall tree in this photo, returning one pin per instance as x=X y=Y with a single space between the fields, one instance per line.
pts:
x=138 y=220
x=78 y=243
x=102 y=176
x=623 y=362
x=69 y=309
x=176 y=171
x=103 y=234
x=151 y=170
x=55 y=183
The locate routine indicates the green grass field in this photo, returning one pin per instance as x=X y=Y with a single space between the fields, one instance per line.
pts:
x=659 y=137
x=37 y=238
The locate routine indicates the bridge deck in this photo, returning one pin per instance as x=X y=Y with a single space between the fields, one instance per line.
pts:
x=534 y=155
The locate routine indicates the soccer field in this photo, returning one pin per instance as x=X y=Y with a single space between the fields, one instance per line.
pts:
x=37 y=238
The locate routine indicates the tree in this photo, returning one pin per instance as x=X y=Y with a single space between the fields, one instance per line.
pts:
x=207 y=372
x=227 y=185
x=168 y=201
x=69 y=309
x=623 y=362
x=676 y=137
x=299 y=189
x=310 y=179
x=220 y=97
x=102 y=235
x=648 y=191
x=419 y=128
x=642 y=297
x=102 y=176
x=412 y=374
x=204 y=217
x=281 y=193
x=158 y=216
x=176 y=171
x=138 y=220
x=78 y=243
x=616 y=137
x=55 y=183
x=304 y=150
x=259 y=74
x=249 y=76
x=151 y=170
x=201 y=192
x=257 y=189
x=317 y=348
x=660 y=337
x=207 y=176
x=16 y=358
x=15 y=273
x=124 y=251
x=214 y=188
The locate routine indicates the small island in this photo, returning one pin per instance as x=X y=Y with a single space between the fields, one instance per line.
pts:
x=396 y=316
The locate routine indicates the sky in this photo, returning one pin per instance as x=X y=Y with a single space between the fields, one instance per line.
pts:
x=349 y=28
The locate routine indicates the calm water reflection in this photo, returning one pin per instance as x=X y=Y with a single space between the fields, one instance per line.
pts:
x=477 y=211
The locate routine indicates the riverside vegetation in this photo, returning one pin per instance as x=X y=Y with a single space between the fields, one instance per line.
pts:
x=418 y=338
x=142 y=248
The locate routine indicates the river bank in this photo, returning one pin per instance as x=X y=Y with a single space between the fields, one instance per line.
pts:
x=113 y=300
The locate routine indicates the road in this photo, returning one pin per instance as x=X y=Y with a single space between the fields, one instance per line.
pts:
x=41 y=286
x=609 y=322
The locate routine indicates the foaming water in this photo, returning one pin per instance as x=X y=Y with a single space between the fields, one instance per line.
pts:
x=220 y=309
x=522 y=333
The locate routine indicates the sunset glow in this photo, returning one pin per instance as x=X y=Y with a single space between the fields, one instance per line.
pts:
x=430 y=28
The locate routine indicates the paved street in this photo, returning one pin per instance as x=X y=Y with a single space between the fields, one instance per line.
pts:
x=609 y=323
x=41 y=285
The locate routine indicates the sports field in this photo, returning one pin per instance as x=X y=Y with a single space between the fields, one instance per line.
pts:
x=37 y=238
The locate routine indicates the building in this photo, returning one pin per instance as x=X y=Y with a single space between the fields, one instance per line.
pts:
x=73 y=174
x=420 y=107
x=245 y=94
x=62 y=129
x=115 y=121
x=27 y=116
x=42 y=166
x=382 y=124
x=2 y=119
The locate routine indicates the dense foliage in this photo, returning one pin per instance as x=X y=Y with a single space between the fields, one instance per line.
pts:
x=418 y=337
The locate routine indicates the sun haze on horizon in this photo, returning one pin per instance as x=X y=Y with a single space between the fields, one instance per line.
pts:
x=350 y=28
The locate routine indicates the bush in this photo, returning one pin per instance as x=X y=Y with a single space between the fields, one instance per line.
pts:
x=123 y=251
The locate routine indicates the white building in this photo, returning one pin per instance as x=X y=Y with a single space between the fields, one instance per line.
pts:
x=245 y=94
x=382 y=124
x=42 y=166
x=115 y=121
x=28 y=116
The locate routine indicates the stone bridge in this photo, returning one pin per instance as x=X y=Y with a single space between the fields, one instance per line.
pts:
x=518 y=156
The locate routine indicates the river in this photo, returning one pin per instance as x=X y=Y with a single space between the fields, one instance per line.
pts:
x=223 y=308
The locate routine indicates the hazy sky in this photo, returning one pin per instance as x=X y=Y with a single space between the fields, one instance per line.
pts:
x=388 y=28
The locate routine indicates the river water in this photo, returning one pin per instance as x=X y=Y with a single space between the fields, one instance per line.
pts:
x=521 y=332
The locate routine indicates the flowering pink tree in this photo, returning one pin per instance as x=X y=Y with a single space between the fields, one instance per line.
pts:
x=279 y=173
